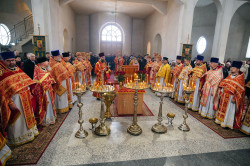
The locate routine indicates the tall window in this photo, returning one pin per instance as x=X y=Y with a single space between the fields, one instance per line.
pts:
x=111 y=39
x=4 y=35
x=248 y=49
x=111 y=33
x=201 y=45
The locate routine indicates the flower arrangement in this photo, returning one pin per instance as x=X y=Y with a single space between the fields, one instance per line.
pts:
x=142 y=75
x=120 y=76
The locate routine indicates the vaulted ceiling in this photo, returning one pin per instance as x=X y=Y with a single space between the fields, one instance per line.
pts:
x=133 y=8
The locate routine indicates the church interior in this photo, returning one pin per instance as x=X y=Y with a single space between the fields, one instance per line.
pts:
x=126 y=82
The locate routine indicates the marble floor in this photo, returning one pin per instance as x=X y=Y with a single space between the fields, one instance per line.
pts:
x=120 y=146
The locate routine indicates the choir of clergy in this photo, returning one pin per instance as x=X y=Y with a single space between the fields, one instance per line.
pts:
x=26 y=102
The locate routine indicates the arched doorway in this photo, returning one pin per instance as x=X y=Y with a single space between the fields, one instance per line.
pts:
x=157 y=44
x=66 y=44
x=111 y=39
x=238 y=41
x=148 y=48
x=203 y=28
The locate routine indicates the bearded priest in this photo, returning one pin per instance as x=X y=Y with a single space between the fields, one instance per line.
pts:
x=102 y=72
x=60 y=74
x=17 y=117
x=213 y=77
x=44 y=93
x=232 y=97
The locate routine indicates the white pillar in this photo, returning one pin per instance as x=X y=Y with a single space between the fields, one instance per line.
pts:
x=224 y=16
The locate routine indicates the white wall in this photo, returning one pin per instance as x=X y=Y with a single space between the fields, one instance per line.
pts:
x=53 y=19
x=245 y=42
x=235 y=38
x=204 y=25
x=100 y=19
x=137 y=36
x=153 y=26
x=82 y=31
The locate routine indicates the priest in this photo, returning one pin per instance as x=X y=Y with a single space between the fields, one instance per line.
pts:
x=80 y=68
x=44 y=93
x=155 y=68
x=163 y=75
x=232 y=97
x=175 y=72
x=89 y=69
x=60 y=74
x=119 y=61
x=17 y=117
x=213 y=77
x=71 y=81
x=197 y=83
x=102 y=72
x=183 y=80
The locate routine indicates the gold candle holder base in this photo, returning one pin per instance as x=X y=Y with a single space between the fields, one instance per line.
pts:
x=102 y=130
x=81 y=134
x=108 y=98
x=159 y=128
x=134 y=129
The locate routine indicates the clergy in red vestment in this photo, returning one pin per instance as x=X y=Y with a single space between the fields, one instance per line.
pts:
x=17 y=117
x=119 y=61
x=44 y=93
x=61 y=75
x=232 y=97
x=175 y=72
x=70 y=81
x=213 y=77
x=101 y=71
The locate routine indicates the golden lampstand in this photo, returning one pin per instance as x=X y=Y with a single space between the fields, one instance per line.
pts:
x=159 y=127
x=135 y=129
x=108 y=99
x=93 y=122
x=79 y=91
x=102 y=129
x=188 y=91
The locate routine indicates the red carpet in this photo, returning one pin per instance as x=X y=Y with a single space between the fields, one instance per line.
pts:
x=30 y=153
x=224 y=133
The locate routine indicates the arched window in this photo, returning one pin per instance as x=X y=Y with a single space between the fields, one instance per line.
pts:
x=4 y=35
x=111 y=33
x=201 y=45
x=111 y=37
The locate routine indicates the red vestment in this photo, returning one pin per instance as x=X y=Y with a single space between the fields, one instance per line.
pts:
x=44 y=83
x=176 y=72
x=119 y=61
x=15 y=82
x=232 y=86
x=213 y=79
x=99 y=67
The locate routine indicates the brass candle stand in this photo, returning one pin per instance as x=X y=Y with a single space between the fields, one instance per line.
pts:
x=159 y=127
x=188 y=91
x=135 y=129
x=108 y=98
x=102 y=129
x=81 y=133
